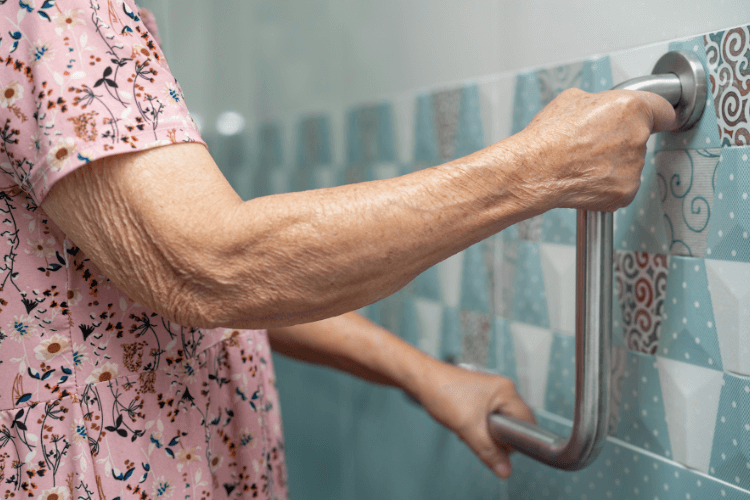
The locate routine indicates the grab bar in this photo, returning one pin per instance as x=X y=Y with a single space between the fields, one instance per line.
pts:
x=680 y=78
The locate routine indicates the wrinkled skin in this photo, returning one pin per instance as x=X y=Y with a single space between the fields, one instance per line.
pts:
x=165 y=226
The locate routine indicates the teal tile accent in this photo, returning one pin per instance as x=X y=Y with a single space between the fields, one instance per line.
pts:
x=427 y=284
x=409 y=322
x=730 y=453
x=469 y=135
x=450 y=343
x=559 y=226
x=501 y=355
x=314 y=141
x=270 y=157
x=730 y=222
x=639 y=227
x=529 y=301
x=370 y=135
x=706 y=133
x=475 y=287
x=527 y=101
x=561 y=377
x=688 y=330
x=425 y=136
x=642 y=419
x=597 y=75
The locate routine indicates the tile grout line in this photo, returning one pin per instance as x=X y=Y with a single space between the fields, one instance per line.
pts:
x=650 y=454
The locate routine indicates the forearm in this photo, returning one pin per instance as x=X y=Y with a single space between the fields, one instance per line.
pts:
x=301 y=257
x=355 y=345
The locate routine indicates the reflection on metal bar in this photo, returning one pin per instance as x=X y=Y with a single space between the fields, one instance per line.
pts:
x=679 y=77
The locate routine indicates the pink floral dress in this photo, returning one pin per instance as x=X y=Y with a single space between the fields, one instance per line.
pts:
x=102 y=398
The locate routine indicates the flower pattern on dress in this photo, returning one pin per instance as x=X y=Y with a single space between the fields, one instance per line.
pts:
x=105 y=399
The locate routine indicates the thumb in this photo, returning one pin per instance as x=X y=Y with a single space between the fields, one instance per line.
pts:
x=663 y=114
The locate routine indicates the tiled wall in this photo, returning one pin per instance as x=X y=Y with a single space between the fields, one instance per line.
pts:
x=680 y=417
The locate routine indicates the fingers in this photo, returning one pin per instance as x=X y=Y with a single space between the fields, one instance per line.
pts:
x=663 y=115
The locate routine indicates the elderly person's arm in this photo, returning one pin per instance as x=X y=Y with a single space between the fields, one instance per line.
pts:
x=457 y=398
x=165 y=226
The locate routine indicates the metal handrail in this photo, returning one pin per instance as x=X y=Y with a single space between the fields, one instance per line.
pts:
x=680 y=78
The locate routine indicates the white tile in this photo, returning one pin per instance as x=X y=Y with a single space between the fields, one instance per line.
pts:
x=532 y=345
x=729 y=286
x=430 y=320
x=636 y=62
x=691 y=403
x=404 y=109
x=450 y=279
x=559 y=269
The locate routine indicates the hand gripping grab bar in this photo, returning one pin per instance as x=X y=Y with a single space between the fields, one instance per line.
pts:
x=680 y=78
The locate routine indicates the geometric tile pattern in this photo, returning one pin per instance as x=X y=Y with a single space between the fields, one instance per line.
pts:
x=641 y=280
x=726 y=53
x=682 y=279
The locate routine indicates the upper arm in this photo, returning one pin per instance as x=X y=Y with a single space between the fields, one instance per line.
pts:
x=147 y=220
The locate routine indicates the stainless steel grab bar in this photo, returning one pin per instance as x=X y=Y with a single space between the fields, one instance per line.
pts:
x=680 y=78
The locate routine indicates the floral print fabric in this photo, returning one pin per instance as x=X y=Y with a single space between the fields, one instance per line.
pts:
x=102 y=398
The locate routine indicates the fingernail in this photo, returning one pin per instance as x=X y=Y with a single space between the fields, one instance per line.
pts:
x=503 y=469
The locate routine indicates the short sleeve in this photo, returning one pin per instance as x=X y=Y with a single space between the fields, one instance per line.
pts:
x=81 y=80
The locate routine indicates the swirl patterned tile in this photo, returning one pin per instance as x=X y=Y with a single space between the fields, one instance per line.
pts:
x=726 y=53
x=688 y=328
x=705 y=134
x=640 y=227
x=641 y=281
x=686 y=182
x=475 y=338
x=642 y=413
x=730 y=453
x=729 y=229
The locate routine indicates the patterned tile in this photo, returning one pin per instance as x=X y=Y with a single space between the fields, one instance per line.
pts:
x=501 y=355
x=688 y=327
x=641 y=281
x=475 y=286
x=552 y=81
x=686 y=182
x=729 y=229
x=370 y=135
x=727 y=57
x=475 y=338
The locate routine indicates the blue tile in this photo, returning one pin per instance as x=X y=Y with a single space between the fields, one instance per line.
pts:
x=469 y=135
x=642 y=420
x=730 y=453
x=450 y=344
x=728 y=230
x=425 y=136
x=639 y=227
x=527 y=102
x=530 y=301
x=688 y=329
x=475 y=287
x=560 y=398
x=559 y=226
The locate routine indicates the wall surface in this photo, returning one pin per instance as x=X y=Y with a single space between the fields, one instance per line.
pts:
x=334 y=92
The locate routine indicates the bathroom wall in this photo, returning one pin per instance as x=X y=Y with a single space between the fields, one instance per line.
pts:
x=362 y=92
